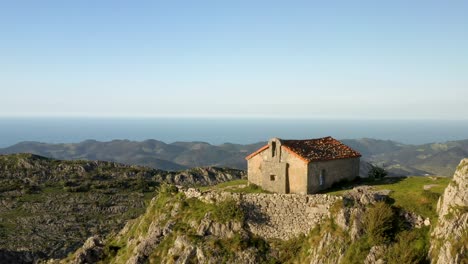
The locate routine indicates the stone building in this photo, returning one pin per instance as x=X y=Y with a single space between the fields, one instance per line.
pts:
x=302 y=166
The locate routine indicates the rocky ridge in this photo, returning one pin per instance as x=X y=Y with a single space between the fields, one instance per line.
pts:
x=399 y=159
x=449 y=244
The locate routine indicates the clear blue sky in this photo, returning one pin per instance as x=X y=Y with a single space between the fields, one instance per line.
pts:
x=317 y=59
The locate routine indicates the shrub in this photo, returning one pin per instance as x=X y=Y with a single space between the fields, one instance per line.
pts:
x=410 y=247
x=167 y=189
x=357 y=251
x=291 y=249
x=228 y=210
x=377 y=172
x=379 y=223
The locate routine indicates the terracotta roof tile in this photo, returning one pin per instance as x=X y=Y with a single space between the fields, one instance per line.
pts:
x=317 y=149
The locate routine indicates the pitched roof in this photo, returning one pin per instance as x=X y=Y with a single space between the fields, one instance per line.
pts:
x=256 y=152
x=318 y=149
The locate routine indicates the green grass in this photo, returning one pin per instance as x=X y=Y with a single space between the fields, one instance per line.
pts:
x=407 y=193
x=225 y=185
x=235 y=186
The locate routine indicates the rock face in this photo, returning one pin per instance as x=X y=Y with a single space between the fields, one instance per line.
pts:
x=91 y=252
x=201 y=176
x=349 y=218
x=449 y=240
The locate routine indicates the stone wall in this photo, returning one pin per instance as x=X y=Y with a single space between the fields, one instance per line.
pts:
x=280 y=216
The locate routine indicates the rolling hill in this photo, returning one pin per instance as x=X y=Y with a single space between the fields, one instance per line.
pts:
x=399 y=159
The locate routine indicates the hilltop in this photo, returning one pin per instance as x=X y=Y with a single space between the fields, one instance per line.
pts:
x=399 y=159
x=387 y=222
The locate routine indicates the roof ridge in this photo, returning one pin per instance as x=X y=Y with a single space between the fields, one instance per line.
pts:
x=316 y=149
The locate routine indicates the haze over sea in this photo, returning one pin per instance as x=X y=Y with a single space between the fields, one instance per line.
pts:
x=218 y=130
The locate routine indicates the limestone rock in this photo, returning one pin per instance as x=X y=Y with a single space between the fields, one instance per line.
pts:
x=350 y=217
x=366 y=195
x=91 y=252
x=449 y=241
x=376 y=255
x=414 y=220
x=182 y=252
x=330 y=249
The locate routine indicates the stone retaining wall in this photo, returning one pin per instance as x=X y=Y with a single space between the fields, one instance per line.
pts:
x=280 y=216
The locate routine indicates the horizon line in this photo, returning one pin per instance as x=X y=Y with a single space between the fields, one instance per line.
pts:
x=230 y=117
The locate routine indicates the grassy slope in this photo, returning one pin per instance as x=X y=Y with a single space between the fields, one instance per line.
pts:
x=407 y=193
x=236 y=186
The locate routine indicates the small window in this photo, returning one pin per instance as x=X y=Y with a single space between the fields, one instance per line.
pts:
x=273 y=149
x=272 y=177
x=322 y=178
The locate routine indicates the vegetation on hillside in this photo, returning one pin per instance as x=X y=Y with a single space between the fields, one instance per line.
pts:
x=415 y=194
x=53 y=206
x=384 y=228
x=172 y=209
x=50 y=207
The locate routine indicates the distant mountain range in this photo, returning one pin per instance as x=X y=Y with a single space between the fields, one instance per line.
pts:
x=399 y=159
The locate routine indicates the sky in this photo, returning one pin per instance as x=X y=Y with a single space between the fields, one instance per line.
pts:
x=293 y=59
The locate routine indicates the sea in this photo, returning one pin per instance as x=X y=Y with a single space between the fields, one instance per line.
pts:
x=224 y=130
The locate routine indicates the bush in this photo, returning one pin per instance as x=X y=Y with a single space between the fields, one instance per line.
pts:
x=377 y=172
x=379 y=223
x=167 y=189
x=228 y=210
x=410 y=247
x=291 y=249
x=357 y=251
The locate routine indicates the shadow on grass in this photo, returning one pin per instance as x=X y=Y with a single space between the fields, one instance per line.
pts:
x=348 y=185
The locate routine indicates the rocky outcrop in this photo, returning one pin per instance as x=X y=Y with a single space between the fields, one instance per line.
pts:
x=286 y=216
x=189 y=226
x=48 y=208
x=201 y=176
x=33 y=170
x=449 y=242
x=348 y=215
x=376 y=255
x=91 y=252
x=171 y=232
